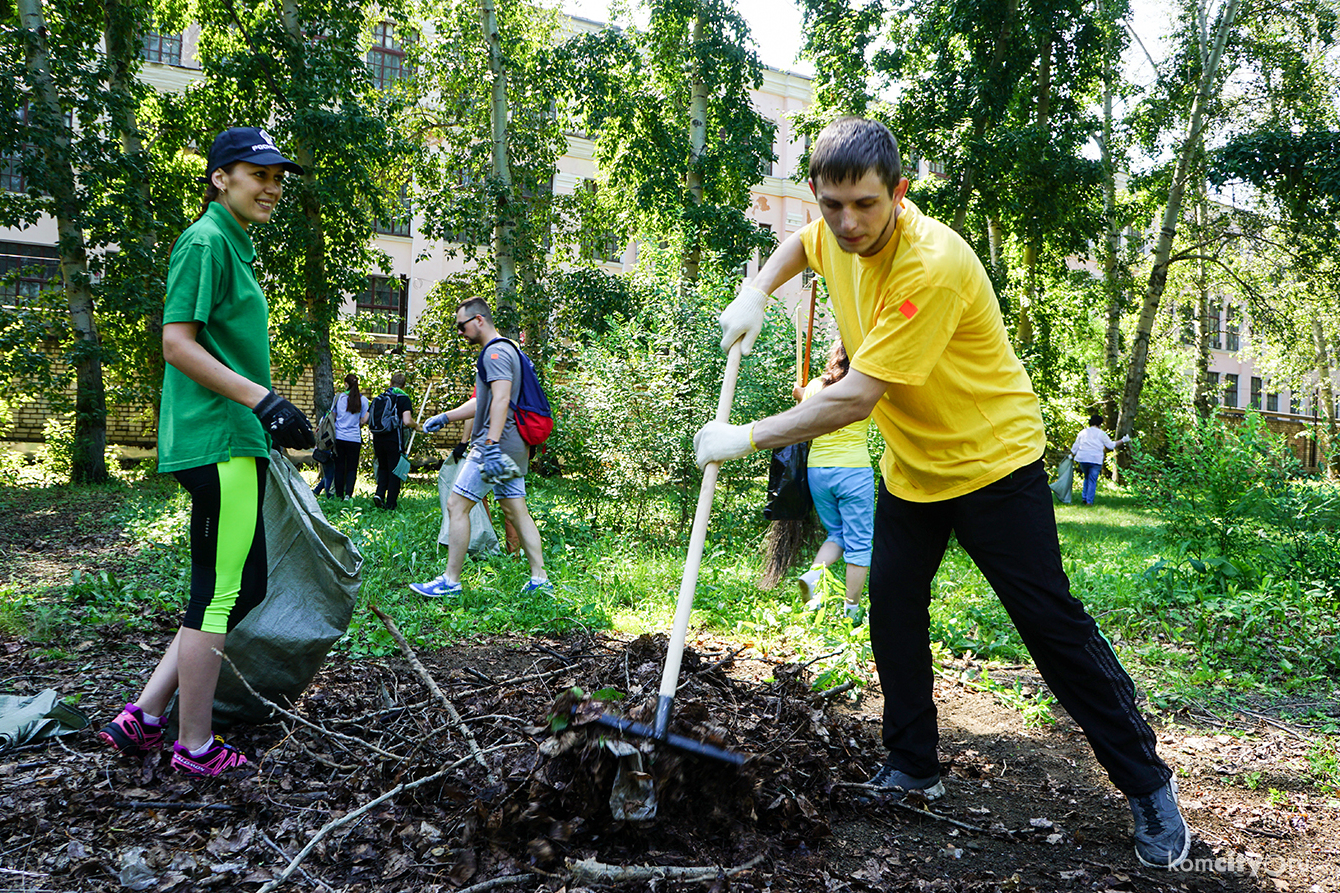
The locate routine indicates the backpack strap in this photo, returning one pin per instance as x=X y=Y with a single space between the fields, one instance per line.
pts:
x=479 y=360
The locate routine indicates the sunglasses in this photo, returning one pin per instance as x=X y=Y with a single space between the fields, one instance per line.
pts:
x=460 y=326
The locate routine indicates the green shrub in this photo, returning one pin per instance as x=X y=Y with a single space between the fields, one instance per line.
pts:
x=1250 y=571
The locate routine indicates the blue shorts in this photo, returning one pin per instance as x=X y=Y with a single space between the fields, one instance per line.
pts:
x=470 y=485
x=845 y=500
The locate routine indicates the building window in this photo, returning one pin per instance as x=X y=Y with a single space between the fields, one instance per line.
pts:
x=11 y=165
x=386 y=300
x=1231 y=390
x=1256 y=392
x=164 y=48
x=1231 y=329
x=1212 y=386
x=806 y=278
x=1272 y=402
x=25 y=270
x=11 y=174
x=386 y=57
x=1295 y=404
x=399 y=224
x=764 y=253
x=1216 y=334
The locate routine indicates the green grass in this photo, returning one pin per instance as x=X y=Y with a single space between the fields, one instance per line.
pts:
x=625 y=577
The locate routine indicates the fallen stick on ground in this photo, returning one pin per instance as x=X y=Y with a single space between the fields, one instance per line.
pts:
x=527 y=678
x=280 y=850
x=589 y=871
x=925 y=813
x=296 y=718
x=496 y=882
x=171 y=804
x=838 y=689
x=362 y=811
x=456 y=722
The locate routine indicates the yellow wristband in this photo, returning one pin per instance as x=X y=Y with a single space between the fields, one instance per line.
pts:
x=753 y=446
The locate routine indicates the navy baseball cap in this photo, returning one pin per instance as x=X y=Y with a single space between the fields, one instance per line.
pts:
x=246 y=144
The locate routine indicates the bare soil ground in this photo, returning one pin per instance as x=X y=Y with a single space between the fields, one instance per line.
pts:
x=1027 y=810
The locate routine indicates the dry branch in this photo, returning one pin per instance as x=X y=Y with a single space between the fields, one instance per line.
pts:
x=513 y=681
x=456 y=722
x=496 y=882
x=589 y=871
x=280 y=850
x=296 y=718
x=924 y=813
x=362 y=811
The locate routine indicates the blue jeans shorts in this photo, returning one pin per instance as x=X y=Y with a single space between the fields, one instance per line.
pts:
x=845 y=500
x=470 y=485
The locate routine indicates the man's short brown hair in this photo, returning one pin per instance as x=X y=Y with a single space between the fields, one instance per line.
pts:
x=478 y=306
x=850 y=147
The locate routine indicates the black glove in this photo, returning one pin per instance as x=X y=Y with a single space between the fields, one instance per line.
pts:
x=459 y=452
x=284 y=422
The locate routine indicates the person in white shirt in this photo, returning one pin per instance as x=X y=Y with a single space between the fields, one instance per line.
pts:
x=1089 y=450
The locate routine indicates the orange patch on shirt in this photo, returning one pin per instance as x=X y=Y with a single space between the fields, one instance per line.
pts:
x=908 y=309
x=493 y=356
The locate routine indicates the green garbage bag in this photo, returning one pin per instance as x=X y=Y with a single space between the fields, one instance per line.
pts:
x=35 y=718
x=314 y=575
x=1064 y=484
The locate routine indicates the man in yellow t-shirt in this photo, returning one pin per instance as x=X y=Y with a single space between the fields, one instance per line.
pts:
x=931 y=363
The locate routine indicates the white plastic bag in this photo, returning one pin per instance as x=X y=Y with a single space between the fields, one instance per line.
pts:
x=483 y=538
x=1065 y=479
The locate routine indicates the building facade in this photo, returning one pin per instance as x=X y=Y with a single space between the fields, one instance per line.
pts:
x=398 y=297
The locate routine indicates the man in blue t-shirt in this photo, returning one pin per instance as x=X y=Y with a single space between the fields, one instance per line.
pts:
x=498 y=457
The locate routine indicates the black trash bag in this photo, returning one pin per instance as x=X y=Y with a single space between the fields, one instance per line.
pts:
x=789 y=484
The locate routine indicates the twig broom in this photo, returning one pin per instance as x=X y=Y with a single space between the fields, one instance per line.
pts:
x=784 y=539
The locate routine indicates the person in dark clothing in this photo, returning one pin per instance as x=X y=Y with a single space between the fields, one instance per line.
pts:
x=387 y=445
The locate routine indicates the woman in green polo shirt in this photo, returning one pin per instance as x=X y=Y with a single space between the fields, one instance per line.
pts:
x=218 y=417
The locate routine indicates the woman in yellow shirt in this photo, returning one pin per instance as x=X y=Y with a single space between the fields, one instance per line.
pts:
x=843 y=486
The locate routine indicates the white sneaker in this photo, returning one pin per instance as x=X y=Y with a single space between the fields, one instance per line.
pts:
x=807 y=581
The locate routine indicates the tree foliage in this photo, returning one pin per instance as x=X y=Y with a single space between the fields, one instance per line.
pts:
x=634 y=93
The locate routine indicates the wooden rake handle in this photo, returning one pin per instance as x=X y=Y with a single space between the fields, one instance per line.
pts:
x=697 y=539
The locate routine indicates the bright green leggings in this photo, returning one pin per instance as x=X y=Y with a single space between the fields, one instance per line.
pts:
x=228 y=567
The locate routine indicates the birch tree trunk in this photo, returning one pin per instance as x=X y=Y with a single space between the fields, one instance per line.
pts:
x=1158 y=274
x=1024 y=332
x=1207 y=312
x=316 y=289
x=1325 y=399
x=88 y=460
x=697 y=141
x=992 y=77
x=121 y=37
x=504 y=226
x=1113 y=272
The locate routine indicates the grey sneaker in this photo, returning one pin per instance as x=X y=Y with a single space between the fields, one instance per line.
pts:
x=807 y=581
x=893 y=780
x=1162 y=839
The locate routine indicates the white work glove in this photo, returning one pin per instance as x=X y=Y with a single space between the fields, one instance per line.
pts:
x=719 y=441
x=742 y=319
x=435 y=423
x=1126 y=439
